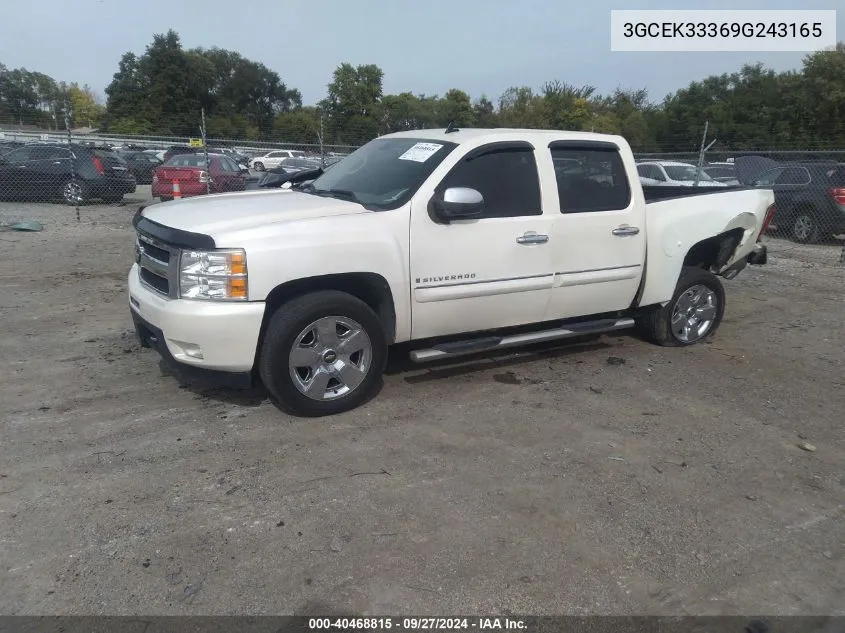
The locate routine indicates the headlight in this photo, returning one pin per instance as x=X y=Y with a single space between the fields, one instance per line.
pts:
x=213 y=275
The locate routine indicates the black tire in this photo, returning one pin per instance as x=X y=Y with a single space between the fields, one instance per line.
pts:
x=804 y=227
x=259 y=166
x=74 y=192
x=165 y=198
x=286 y=327
x=657 y=325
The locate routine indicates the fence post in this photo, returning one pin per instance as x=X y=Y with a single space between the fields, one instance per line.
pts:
x=322 y=147
x=205 y=151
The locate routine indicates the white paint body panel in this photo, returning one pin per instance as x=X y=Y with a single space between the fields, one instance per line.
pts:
x=466 y=276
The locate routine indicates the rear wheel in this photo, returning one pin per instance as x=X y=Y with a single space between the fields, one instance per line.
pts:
x=805 y=227
x=323 y=353
x=693 y=314
x=74 y=192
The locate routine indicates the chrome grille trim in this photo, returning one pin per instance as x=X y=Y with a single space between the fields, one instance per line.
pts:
x=149 y=257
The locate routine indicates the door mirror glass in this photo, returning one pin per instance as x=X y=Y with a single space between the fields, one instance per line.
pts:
x=460 y=202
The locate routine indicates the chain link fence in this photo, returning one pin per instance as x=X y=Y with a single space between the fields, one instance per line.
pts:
x=84 y=166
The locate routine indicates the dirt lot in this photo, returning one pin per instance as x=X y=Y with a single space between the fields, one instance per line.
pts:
x=549 y=481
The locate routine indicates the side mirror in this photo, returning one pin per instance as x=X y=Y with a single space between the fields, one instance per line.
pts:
x=459 y=202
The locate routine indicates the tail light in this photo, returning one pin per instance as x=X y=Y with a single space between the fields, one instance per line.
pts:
x=838 y=195
x=203 y=176
x=98 y=165
x=767 y=220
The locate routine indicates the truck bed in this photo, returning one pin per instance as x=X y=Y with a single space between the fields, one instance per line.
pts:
x=654 y=193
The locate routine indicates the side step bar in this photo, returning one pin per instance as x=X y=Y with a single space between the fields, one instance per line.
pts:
x=490 y=343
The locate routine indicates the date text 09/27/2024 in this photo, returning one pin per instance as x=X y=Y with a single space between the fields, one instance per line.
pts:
x=415 y=624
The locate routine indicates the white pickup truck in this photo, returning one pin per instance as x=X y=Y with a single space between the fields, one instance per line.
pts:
x=455 y=242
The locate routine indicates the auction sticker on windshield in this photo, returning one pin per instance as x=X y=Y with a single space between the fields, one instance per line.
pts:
x=421 y=152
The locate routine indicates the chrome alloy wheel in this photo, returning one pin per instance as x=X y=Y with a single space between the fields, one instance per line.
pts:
x=694 y=313
x=330 y=358
x=72 y=192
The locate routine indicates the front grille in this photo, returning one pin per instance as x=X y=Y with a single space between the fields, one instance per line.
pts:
x=158 y=263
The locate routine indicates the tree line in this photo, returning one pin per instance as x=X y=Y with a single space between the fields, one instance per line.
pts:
x=163 y=90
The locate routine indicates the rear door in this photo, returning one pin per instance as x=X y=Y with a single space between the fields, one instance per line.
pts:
x=598 y=234
x=490 y=271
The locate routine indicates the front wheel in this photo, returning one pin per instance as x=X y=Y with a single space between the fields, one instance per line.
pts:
x=323 y=353
x=259 y=166
x=693 y=314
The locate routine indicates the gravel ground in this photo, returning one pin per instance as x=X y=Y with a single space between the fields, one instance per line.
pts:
x=607 y=476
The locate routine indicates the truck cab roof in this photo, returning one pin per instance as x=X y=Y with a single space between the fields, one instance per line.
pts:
x=480 y=136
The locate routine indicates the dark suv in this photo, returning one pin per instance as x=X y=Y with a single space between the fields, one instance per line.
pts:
x=809 y=197
x=72 y=173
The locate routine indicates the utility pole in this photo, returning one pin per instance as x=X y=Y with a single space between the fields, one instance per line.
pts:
x=702 y=152
x=205 y=151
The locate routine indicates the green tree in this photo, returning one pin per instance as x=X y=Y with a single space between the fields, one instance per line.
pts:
x=85 y=110
x=353 y=103
x=456 y=107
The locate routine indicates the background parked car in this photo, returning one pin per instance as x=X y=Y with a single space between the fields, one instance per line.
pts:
x=274 y=158
x=142 y=165
x=192 y=173
x=72 y=173
x=292 y=165
x=675 y=174
x=809 y=198
x=722 y=172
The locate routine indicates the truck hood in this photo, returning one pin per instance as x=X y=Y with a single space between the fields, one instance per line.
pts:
x=217 y=214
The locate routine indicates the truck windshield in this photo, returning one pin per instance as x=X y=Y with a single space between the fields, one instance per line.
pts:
x=384 y=173
x=685 y=173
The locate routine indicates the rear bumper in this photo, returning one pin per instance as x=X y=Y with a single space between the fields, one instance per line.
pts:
x=759 y=256
x=756 y=257
x=114 y=186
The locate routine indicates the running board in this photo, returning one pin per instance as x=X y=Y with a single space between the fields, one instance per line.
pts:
x=489 y=343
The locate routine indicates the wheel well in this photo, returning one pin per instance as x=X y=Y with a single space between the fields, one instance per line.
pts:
x=370 y=288
x=714 y=252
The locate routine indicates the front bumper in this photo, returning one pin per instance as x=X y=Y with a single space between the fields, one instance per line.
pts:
x=202 y=339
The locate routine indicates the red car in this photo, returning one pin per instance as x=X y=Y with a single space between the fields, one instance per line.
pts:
x=197 y=178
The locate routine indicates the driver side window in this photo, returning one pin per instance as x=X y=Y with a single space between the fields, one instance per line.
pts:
x=507 y=179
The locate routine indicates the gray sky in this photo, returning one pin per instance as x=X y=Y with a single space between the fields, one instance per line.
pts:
x=427 y=46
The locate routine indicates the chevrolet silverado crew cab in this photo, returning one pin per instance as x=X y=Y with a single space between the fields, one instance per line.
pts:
x=452 y=241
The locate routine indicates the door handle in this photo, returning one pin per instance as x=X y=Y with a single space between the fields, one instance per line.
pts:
x=532 y=238
x=622 y=231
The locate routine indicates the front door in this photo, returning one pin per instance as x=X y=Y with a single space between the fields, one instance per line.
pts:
x=493 y=270
x=16 y=175
x=599 y=233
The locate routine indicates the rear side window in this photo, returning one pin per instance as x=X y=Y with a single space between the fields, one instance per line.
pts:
x=794 y=176
x=590 y=179
x=507 y=179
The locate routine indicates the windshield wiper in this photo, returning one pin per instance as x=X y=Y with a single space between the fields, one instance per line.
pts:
x=342 y=193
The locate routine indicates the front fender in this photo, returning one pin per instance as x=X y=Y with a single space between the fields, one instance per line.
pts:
x=360 y=243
